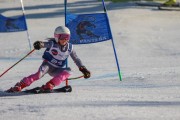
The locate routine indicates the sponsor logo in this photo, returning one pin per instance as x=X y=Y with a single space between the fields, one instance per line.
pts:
x=54 y=51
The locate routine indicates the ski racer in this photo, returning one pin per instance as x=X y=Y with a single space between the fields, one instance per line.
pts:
x=57 y=51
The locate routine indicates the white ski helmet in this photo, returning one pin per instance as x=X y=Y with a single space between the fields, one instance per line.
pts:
x=61 y=32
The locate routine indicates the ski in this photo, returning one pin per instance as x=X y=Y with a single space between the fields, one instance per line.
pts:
x=37 y=90
x=147 y=4
x=170 y=8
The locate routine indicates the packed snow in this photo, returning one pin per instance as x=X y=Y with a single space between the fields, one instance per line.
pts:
x=147 y=44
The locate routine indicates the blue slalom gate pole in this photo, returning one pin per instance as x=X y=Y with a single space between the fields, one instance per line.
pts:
x=65 y=10
x=118 y=67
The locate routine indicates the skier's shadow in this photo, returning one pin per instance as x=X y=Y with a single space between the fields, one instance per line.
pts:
x=5 y=94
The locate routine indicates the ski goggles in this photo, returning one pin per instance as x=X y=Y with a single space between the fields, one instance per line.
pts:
x=62 y=36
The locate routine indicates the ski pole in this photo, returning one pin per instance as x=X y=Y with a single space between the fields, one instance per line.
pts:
x=73 y=79
x=17 y=63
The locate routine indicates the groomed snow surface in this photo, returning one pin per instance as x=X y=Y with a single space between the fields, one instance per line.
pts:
x=147 y=44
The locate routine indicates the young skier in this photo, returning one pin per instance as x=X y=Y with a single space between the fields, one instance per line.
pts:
x=57 y=51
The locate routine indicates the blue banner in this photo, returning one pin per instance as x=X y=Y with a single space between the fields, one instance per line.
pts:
x=88 y=28
x=12 y=24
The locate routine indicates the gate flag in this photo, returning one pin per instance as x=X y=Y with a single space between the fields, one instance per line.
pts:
x=88 y=28
x=15 y=24
x=8 y=24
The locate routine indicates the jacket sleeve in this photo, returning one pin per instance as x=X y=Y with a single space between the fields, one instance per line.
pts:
x=76 y=58
x=47 y=44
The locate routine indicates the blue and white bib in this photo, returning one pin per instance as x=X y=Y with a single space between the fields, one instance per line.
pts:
x=57 y=55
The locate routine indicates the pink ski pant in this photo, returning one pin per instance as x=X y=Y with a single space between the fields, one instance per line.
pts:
x=58 y=74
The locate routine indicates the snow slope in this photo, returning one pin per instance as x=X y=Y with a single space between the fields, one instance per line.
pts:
x=147 y=42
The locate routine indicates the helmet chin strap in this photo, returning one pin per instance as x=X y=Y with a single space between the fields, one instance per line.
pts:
x=62 y=45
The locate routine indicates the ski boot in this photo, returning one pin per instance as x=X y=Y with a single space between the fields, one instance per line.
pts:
x=47 y=88
x=17 y=88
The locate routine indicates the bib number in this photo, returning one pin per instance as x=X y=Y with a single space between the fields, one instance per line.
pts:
x=56 y=62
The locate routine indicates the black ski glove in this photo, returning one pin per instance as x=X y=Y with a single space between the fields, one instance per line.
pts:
x=37 y=45
x=86 y=72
